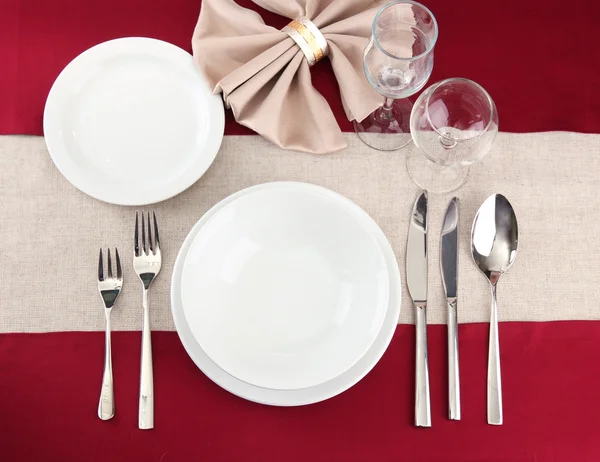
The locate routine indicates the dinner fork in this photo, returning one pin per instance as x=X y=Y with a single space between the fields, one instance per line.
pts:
x=109 y=288
x=146 y=263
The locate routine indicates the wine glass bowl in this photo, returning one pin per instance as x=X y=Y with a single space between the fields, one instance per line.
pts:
x=454 y=122
x=398 y=59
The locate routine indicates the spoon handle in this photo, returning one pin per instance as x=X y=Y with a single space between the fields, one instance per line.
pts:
x=494 y=382
x=422 y=406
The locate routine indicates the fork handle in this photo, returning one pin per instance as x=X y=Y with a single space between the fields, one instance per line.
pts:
x=146 y=404
x=106 y=406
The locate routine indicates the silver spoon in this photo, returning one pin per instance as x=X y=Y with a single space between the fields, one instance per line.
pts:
x=494 y=244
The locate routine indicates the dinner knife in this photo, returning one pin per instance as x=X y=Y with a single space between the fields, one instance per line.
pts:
x=449 y=269
x=416 y=279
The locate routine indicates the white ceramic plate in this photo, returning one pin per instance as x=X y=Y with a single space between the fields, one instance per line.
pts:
x=286 y=287
x=132 y=121
x=294 y=397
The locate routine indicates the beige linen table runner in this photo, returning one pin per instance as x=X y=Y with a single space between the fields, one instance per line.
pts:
x=50 y=232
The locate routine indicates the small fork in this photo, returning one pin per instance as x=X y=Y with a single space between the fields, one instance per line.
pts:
x=109 y=288
x=147 y=261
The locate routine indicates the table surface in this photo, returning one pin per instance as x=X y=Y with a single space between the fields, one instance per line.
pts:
x=531 y=56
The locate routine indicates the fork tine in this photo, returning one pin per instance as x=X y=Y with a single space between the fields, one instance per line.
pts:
x=156 y=239
x=136 y=238
x=119 y=273
x=150 y=243
x=109 y=267
x=100 y=268
x=144 y=248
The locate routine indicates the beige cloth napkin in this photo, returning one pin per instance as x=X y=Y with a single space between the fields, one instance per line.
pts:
x=265 y=78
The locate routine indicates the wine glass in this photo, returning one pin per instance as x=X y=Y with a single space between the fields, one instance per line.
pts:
x=397 y=61
x=453 y=125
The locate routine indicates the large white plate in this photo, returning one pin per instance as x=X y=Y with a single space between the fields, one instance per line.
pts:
x=132 y=121
x=286 y=287
x=284 y=397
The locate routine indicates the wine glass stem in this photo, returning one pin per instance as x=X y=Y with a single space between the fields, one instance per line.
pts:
x=387 y=106
x=385 y=112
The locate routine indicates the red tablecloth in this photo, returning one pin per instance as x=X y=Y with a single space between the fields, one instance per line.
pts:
x=539 y=59
x=540 y=62
x=49 y=394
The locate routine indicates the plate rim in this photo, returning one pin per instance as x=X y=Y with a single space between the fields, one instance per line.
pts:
x=129 y=197
x=362 y=219
x=298 y=397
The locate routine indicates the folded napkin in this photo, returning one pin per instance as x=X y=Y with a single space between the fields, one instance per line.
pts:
x=265 y=77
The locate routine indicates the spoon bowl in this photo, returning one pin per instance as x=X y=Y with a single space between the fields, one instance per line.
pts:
x=494 y=245
x=495 y=237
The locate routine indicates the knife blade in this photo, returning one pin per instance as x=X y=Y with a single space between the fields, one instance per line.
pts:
x=449 y=270
x=416 y=279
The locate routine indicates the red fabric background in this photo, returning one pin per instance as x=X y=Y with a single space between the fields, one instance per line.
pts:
x=49 y=385
x=539 y=59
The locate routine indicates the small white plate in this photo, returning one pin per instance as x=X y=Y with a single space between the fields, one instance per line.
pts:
x=132 y=121
x=285 y=397
x=286 y=287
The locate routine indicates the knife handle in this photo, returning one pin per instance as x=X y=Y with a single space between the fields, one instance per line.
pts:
x=422 y=404
x=453 y=374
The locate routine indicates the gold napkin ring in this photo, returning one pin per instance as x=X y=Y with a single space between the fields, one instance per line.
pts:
x=309 y=39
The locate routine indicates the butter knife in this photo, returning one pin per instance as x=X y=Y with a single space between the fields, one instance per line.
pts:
x=416 y=279
x=449 y=269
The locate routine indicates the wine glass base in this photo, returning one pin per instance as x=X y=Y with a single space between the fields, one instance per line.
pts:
x=387 y=130
x=433 y=177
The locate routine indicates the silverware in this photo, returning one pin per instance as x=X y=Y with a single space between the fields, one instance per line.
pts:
x=416 y=278
x=449 y=269
x=146 y=263
x=494 y=244
x=109 y=288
